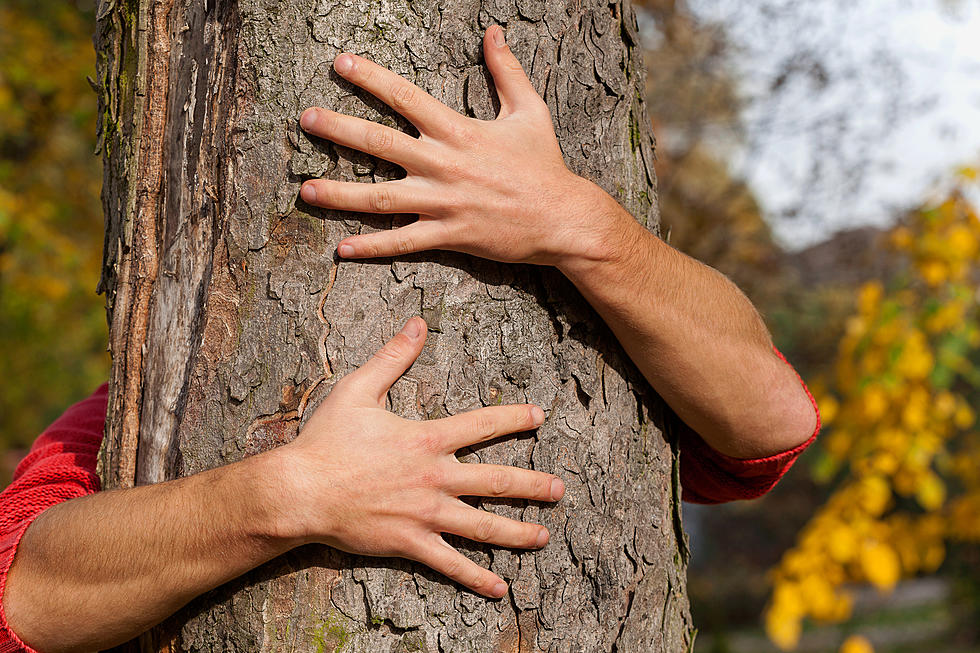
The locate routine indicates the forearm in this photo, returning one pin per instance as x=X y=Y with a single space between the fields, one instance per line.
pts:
x=695 y=337
x=96 y=571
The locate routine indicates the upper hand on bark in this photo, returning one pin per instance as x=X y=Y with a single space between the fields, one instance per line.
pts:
x=372 y=483
x=496 y=189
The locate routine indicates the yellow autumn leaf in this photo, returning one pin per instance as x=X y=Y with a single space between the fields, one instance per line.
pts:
x=828 y=406
x=856 y=644
x=869 y=297
x=783 y=629
x=842 y=543
x=964 y=417
x=874 y=403
x=875 y=494
x=933 y=272
x=968 y=172
x=930 y=492
x=880 y=565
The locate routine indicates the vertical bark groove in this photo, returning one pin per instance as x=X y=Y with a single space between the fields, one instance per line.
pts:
x=248 y=318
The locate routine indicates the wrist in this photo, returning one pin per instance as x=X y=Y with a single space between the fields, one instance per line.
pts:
x=279 y=509
x=608 y=238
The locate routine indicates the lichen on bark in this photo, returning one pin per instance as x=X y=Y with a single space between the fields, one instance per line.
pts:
x=231 y=317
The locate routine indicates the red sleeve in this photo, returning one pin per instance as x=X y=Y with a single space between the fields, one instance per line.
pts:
x=60 y=466
x=708 y=476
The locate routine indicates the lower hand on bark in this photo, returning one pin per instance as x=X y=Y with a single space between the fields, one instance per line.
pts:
x=372 y=483
x=497 y=189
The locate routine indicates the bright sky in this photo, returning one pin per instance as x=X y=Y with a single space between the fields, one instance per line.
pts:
x=900 y=108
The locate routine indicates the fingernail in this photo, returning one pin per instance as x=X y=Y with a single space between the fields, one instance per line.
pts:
x=557 y=489
x=537 y=415
x=344 y=64
x=542 y=538
x=498 y=37
x=413 y=329
x=499 y=589
x=308 y=193
x=307 y=119
x=345 y=250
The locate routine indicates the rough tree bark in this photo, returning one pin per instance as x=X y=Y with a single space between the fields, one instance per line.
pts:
x=230 y=317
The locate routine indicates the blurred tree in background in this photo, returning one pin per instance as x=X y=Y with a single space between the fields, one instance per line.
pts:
x=52 y=324
x=900 y=444
x=873 y=507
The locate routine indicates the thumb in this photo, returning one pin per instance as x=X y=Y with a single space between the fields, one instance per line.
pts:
x=373 y=379
x=513 y=87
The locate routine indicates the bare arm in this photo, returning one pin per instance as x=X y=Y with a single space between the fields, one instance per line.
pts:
x=697 y=339
x=96 y=571
x=500 y=190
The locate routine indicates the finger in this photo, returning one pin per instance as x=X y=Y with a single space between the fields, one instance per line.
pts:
x=487 y=423
x=513 y=87
x=364 y=197
x=479 y=480
x=428 y=114
x=378 y=140
x=415 y=237
x=451 y=563
x=482 y=526
x=377 y=375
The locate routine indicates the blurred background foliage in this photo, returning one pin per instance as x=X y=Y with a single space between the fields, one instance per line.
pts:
x=52 y=324
x=870 y=544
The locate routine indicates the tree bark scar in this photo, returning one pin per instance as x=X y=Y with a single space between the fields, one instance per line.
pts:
x=139 y=276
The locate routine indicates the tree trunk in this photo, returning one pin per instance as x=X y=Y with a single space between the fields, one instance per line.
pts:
x=231 y=317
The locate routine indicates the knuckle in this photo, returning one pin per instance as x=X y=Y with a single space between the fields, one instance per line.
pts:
x=361 y=74
x=330 y=122
x=453 y=568
x=403 y=545
x=450 y=204
x=453 y=170
x=482 y=581
x=380 y=200
x=467 y=138
x=428 y=442
x=485 y=528
x=499 y=482
x=393 y=351
x=380 y=140
x=404 y=96
x=483 y=425
x=405 y=245
x=428 y=512
x=432 y=478
x=450 y=130
x=513 y=66
x=543 y=111
x=369 y=245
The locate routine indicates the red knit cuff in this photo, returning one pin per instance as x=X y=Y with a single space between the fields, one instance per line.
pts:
x=709 y=476
x=9 y=641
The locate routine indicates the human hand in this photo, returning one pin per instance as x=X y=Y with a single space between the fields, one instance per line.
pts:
x=372 y=483
x=497 y=189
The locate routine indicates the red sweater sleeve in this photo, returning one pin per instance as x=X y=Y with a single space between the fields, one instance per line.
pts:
x=60 y=466
x=708 y=476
